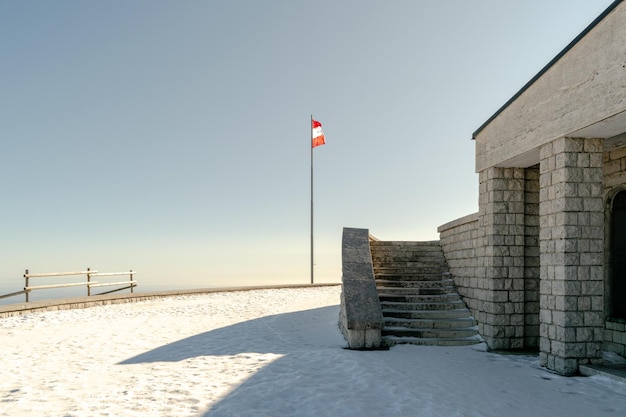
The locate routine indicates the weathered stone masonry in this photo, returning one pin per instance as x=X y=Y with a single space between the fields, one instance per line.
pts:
x=543 y=262
x=502 y=219
x=572 y=253
x=462 y=243
x=493 y=256
x=577 y=181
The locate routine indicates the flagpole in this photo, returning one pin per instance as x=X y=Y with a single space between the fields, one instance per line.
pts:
x=311 y=146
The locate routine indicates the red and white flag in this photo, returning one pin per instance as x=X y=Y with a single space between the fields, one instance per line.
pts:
x=317 y=134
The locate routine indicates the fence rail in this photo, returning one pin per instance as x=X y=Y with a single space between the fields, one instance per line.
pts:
x=129 y=284
x=12 y=294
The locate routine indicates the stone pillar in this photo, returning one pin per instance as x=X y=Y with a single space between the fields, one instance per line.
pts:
x=571 y=254
x=502 y=288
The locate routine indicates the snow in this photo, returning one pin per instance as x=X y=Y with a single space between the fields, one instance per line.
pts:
x=261 y=353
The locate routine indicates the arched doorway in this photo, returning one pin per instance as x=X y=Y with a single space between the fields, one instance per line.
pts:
x=618 y=257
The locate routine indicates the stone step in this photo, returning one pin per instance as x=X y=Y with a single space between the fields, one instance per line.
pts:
x=417 y=306
x=415 y=258
x=406 y=268
x=417 y=296
x=424 y=276
x=420 y=299
x=399 y=248
x=408 y=263
x=414 y=290
x=448 y=323
x=456 y=313
x=462 y=341
x=407 y=253
x=417 y=243
x=427 y=254
x=434 y=251
x=410 y=269
x=444 y=283
x=443 y=333
x=423 y=250
x=405 y=248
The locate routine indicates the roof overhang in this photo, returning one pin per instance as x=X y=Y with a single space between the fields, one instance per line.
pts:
x=548 y=66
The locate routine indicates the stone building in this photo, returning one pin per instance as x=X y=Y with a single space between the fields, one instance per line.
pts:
x=543 y=262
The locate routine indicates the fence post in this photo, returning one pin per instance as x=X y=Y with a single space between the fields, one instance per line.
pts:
x=132 y=287
x=88 y=281
x=26 y=284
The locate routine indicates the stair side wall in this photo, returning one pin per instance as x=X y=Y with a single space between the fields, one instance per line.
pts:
x=462 y=244
x=493 y=256
x=360 y=316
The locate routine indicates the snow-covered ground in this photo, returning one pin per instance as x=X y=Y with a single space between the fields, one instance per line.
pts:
x=263 y=353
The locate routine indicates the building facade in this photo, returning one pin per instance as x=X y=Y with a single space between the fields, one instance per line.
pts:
x=543 y=262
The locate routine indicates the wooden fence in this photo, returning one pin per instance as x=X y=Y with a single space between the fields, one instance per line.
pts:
x=89 y=283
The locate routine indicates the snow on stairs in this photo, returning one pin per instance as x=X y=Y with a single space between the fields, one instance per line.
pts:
x=419 y=302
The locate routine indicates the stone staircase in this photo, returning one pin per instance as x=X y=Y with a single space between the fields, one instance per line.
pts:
x=418 y=300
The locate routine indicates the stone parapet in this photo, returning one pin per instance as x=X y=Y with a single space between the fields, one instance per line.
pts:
x=469 y=219
x=360 y=317
x=461 y=241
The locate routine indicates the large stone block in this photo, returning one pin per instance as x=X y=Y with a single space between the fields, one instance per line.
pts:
x=361 y=317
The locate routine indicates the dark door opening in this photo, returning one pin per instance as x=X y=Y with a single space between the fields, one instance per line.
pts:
x=618 y=252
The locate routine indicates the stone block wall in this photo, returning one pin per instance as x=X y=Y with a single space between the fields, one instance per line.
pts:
x=533 y=264
x=493 y=256
x=614 y=168
x=572 y=253
x=615 y=337
x=501 y=217
x=461 y=241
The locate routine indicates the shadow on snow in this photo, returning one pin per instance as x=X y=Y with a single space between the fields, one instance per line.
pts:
x=314 y=376
x=310 y=343
x=278 y=334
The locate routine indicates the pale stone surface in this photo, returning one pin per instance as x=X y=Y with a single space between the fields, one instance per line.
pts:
x=582 y=95
x=533 y=264
x=567 y=240
x=360 y=318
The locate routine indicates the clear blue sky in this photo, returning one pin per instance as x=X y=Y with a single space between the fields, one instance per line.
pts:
x=172 y=137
